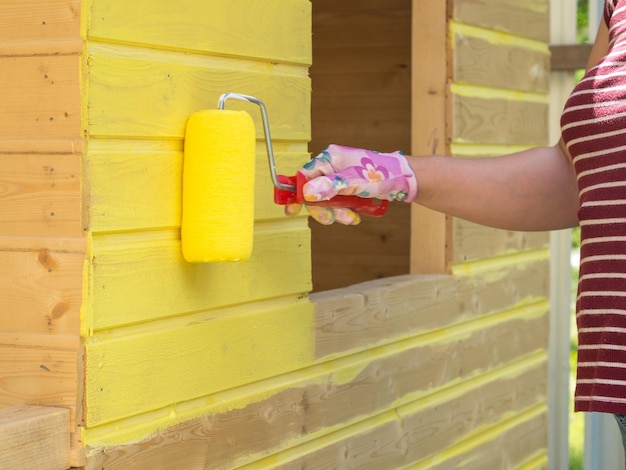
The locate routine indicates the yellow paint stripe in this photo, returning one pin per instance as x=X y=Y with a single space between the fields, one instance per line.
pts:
x=497 y=37
x=489 y=93
x=472 y=268
x=463 y=149
x=535 y=462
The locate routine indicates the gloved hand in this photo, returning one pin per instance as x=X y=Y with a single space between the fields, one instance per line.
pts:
x=354 y=172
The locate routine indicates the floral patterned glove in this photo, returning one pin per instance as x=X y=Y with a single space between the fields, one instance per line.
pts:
x=351 y=171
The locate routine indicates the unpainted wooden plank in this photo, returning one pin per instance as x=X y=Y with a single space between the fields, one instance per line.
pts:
x=386 y=310
x=36 y=372
x=430 y=230
x=473 y=241
x=40 y=195
x=35 y=437
x=499 y=121
x=138 y=278
x=480 y=62
x=529 y=19
x=312 y=407
x=41 y=290
x=39 y=20
x=144 y=93
x=278 y=31
x=136 y=185
x=41 y=98
x=511 y=446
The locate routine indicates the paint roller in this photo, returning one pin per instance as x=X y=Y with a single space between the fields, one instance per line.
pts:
x=218 y=184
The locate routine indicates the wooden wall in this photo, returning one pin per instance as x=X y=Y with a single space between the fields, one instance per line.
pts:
x=42 y=244
x=170 y=365
x=361 y=97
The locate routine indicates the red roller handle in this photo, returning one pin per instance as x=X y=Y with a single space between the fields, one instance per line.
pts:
x=365 y=206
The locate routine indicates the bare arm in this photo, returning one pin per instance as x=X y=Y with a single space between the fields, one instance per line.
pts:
x=531 y=190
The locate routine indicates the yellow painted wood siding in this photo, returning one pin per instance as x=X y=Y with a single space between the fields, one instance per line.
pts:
x=162 y=334
x=406 y=372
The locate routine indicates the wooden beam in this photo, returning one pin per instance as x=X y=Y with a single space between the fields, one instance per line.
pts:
x=431 y=231
x=569 y=57
x=35 y=437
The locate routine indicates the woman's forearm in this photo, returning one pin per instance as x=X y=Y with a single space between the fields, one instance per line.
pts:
x=531 y=190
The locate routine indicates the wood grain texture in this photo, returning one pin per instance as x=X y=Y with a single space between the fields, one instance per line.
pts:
x=343 y=256
x=512 y=445
x=137 y=278
x=313 y=412
x=35 y=437
x=473 y=241
x=40 y=195
x=149 y=93
x=41 y=290
x=430 y=231
x=276 y=31
x=41 y=371
x=40 y=97
x=361 y=97
x=32 y=21
x=133 y=373
x=136 y=185
x=387 y=310
x=529 y=19
x=500 y=65
x=499 y=121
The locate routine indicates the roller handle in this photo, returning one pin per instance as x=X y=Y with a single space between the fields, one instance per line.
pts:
x=364 y=206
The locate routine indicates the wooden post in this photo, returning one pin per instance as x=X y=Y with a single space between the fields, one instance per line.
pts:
x=35 y=437
x=430 y=230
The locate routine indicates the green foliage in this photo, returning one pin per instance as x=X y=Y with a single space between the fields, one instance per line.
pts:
x=582 y=21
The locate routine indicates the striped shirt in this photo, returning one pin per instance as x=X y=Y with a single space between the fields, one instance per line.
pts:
x=594 y=129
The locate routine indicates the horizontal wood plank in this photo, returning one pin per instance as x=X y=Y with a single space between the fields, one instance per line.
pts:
x=35 y=437
x=125 y=374
x=40 y=373
x=136 y=278
x=34 y=20
x=247 y=28
x=136 y=185
x=144 y=93
x=41 y=98
x=473 y=241
x=480 y=62
x=569 y=57
x=386 y=310
x=41 y=291
x=529 y=19
x=40 y=195
x=511 y=446
x=316 y=400
x=499 y=121
x=344 y=256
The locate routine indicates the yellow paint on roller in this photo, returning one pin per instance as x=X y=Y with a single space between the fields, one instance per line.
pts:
x=218 y=187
